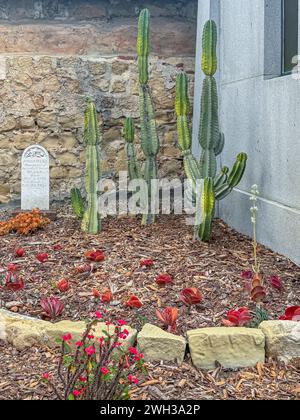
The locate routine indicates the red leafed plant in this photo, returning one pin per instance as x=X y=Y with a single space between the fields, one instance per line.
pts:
x=62 y=285
x=98 y=367
x=134 y=302
x=191 y=296
x=20 y=252
x=95 y=255
x=43 y=257
x=291 y=314
x=96 y=293
x=52 y=307
x=169 y=318
x=146 y=263
x=106 y=296
x=237 y=318
x=13 y=282
x=163 y=279
x=276 y=282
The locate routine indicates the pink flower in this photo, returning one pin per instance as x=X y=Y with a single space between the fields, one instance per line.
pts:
x=90 y=351
x=77 y=393
x=104 y=370
x=133 y=350
x=90 y=337
x=121 y=322
x=133 y=379
x=46 y=376
x=67 y=337
x=98 y=315
x=79 y=344
x=124 y=334
x=42 y=257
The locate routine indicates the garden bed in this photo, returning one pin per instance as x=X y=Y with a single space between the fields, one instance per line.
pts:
x=214 y=268
x=20 y=374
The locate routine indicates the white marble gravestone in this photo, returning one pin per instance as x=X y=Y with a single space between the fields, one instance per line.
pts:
x=35 y=178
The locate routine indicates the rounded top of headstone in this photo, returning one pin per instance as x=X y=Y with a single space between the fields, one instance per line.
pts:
x=35 y=151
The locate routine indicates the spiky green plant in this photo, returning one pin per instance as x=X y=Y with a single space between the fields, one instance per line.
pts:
x=91 y=221
x=149 y=136
x=216 y=186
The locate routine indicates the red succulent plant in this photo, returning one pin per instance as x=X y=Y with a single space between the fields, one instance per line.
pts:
x=84 y=268
x=169 y=318
x=191 y=296
x=134 y=302
x=52 y=307
x=247 y=274
x=106 y=296
x=62 y=285
x=96 y=256
x=57 y=247
x=146 y=263
x=13 y=282
x=43 y=257
x=237 y=318
x=96 y=293
x=291 y=314
x=163 y=279
x=20 y=252
x=276 y=282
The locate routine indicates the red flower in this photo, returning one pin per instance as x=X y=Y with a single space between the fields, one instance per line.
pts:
x=168 y=317
x=133 y=379
x=104 y=370
x=237 y=318
x=291 y=314
x=52 y=307
x=134 y=302
x=20 y=252
x=106 y=296
x=62 y=285
x=57 y=247
x=90 y=351
x=46 y=376
x=191 y=296
x=79 y=344
x=12 y=268
x=146 y=263
x=98 y=315
x=42 y=257
x=247 y=274
x=163 y=279
x=13 y=282
x=95 y=256
x=67 y=337
x=276 y=282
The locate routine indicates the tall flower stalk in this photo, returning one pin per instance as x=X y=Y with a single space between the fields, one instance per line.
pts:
x=254 y=210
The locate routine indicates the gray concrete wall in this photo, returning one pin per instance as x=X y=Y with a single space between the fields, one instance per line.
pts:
x=260 y=116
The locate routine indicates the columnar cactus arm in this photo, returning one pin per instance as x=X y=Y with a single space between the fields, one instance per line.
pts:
x=143 y=45
x=91 y=222
x=207 y=210
x=209 y=48
x=234 y=177
x=77 y=202
x=134 y=169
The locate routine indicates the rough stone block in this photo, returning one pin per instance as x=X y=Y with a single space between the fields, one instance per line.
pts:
x=282 y=339
x=22 y=331
x=231 y=347
x=159 y=345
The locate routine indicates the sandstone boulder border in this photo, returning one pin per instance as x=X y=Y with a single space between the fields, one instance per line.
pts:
x=22 y=331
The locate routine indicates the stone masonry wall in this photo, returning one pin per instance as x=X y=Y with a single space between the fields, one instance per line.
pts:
x=53 y=60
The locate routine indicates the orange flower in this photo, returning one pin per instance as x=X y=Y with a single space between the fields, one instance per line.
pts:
x=134 y=302
x=169 y=318
x=191 y=296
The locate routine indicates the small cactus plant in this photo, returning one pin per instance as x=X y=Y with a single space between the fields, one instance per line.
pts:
x=91 y=219
x=149 y=136
x=216 y=186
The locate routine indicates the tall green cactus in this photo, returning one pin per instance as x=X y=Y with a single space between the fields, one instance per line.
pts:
x=134 y=169
x=91 y=221
x=149 y=137
x=216 y=186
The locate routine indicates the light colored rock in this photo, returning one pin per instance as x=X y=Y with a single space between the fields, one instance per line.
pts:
x=22 y=331
x=157 y=345
x=231 y=347
x=282 y=339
